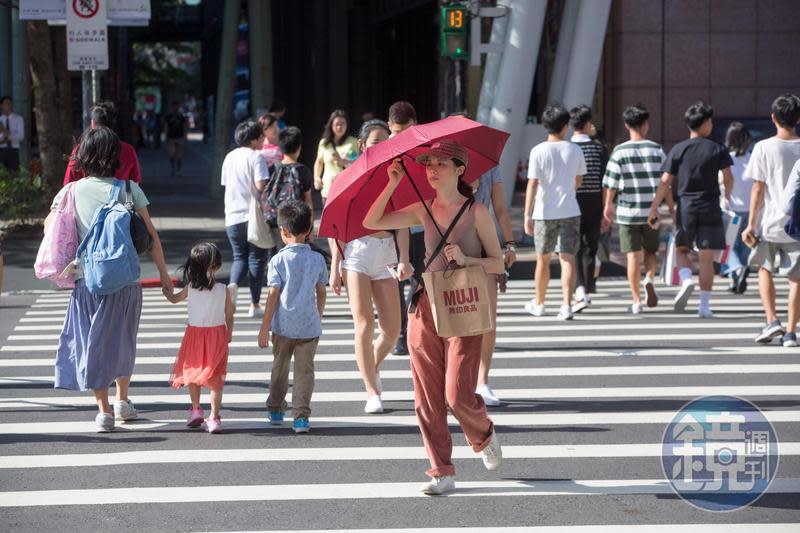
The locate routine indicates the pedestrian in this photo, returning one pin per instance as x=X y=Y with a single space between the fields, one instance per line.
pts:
x=296 y=301
x=631 y=178
x=691 y=171
x=335 y=152
x=445 y=369
x=737 y=140
x=590 y=202
x=244 y=174
x=270 y=149
x=12 y=133
x=770 y=169
x=364 y=267
x=278 y=110
x=97 y=345
x=202 y=359
x=552 y=214
x=176 y=127
x=105 y=114
x=402 y=116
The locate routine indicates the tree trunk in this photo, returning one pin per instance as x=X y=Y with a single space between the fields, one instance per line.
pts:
x=63 y=86
x=48 y=121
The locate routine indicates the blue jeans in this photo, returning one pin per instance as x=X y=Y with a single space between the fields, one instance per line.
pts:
x=247 y=259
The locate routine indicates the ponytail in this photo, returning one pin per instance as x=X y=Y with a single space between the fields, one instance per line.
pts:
x=464 y=188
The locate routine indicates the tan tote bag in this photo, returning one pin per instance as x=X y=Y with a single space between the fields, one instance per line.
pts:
x=459 y=296
x=258 y=231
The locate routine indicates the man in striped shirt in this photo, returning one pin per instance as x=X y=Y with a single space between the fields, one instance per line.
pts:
x=590 y=200
x=632 y=176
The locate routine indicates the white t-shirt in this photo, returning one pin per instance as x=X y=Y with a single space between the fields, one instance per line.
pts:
x=771 y=162
x=240 y=170
x=555 y=165
x=742 y=186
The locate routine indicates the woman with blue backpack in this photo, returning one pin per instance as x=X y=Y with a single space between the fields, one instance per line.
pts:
x=97 y=345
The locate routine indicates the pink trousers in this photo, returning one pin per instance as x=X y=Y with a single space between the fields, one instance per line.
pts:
x=445 y=373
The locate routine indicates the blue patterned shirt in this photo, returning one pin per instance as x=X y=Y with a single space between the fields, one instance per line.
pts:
x=297 y=270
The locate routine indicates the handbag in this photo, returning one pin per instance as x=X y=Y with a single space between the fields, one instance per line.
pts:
x=60 y=243
x=139 y=234
x=459 y=296
x=258 y=232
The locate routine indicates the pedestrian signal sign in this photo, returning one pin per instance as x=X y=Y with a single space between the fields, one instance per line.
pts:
x=454 y=33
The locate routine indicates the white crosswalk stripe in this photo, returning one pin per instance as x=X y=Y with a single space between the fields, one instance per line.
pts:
x=585 y=405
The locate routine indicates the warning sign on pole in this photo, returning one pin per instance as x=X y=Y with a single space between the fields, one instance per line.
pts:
x=87 y=35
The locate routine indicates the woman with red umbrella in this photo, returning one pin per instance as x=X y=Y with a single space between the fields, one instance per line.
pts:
x=445 y=369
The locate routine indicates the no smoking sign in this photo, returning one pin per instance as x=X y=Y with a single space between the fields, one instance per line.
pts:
x=86 y=8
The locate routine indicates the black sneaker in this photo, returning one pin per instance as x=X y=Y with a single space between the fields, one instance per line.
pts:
x=401 y=348
x=741 y=281
x=769 y=332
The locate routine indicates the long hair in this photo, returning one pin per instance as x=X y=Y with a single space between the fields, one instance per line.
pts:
x=737 y=138
x=328 y=135
x=464 y=188
x=198 y=269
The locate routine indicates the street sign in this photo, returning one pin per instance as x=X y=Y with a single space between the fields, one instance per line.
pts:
x=55 y=10
x=87 y=35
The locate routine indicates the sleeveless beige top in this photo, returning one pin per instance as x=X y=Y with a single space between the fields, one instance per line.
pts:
x=464 y=235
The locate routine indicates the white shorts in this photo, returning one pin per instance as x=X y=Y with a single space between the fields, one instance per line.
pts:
x=370 y=256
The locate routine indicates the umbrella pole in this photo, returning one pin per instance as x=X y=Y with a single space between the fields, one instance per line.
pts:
x=421 y=199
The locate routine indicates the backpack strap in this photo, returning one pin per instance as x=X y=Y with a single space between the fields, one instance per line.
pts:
x=116 y=189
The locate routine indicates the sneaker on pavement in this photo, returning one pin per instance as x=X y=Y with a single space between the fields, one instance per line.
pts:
x=374 y=405
x=196 y=417
x=650 y=290
x=488 y=396
x=493 y=453
x=789 y=340
x=769 y=332
x=214 y=425
x=580 y=305
x=275 y=418
x=565 y=313
x=124 y=410
x=401 y=348
x=104 y=422
x=533 y=308
x=705 y=312
x=255 y=312
x=439 y=485
x=635 y=309
x=300 y=425
x=684 y=293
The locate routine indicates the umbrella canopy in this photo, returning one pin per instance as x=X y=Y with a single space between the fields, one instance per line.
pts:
x=356 y=188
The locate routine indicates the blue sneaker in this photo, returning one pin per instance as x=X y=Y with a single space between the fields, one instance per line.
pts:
x=790 y=340
x=300 y=425
x=275 y=418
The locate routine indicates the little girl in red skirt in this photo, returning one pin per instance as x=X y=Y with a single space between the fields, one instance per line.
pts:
x=202 y=360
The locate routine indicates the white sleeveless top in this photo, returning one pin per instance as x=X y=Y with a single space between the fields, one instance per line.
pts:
x=207 y=308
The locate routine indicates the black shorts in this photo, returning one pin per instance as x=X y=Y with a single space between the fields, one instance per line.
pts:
x=699 y=227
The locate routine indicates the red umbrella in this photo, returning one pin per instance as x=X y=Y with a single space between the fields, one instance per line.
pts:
x=357 y=187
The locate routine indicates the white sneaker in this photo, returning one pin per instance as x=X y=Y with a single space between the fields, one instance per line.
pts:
x=493 y=453
x=684 y=293
x=581 y=304
x=124 y=410
x=488 y=396
x=104 y=422
x=565 y=313
x=233 y=291
x=533 y=308
x=378 y=383
x=705 y=312
x=635 y=309
x=374 y=405
x=255 y=312
x=439 y=485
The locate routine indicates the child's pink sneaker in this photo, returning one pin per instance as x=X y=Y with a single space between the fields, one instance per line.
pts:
x=195 y=417
x=214 y=425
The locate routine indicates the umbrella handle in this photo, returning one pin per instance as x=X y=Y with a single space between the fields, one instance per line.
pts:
x=419 y=194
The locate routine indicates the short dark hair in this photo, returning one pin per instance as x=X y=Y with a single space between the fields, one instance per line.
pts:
x=4 y=98
x=247 y=131
x=737 y=138
x=295 y=217
x=786 y=109
x=369 y=126
x=579 y=116
x=290 y=139
x=104 y=114
x=402 y=112
x=203 y=259
x=635 y=115
x=698 y=113
x=327 y=134
x=554 y=118
x=98 y=152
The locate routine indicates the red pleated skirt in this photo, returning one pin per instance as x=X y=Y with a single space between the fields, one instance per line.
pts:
x=202 y=358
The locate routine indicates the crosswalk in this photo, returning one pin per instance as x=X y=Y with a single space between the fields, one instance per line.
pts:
x=585 y=407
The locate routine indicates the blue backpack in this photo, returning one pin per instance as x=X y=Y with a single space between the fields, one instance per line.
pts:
x=111 y=262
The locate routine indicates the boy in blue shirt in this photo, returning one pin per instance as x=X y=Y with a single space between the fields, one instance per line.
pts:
x=296 y=279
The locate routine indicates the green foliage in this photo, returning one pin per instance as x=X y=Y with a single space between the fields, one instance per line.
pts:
x=23 y=196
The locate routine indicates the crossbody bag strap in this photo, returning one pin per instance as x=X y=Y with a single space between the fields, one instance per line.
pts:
x=443 y=241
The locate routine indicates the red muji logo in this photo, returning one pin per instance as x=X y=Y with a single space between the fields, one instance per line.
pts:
x=460 y=296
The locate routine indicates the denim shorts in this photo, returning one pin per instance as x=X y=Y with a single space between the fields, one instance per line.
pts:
x=370 y=256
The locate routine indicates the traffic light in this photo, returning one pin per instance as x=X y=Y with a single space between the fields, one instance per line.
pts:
x=455 y=39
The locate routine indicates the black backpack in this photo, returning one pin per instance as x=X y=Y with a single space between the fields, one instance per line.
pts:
x=284 y=184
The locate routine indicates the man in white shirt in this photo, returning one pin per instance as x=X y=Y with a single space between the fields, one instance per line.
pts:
x=552 y=214
x=12 y=131
x=770 y=168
